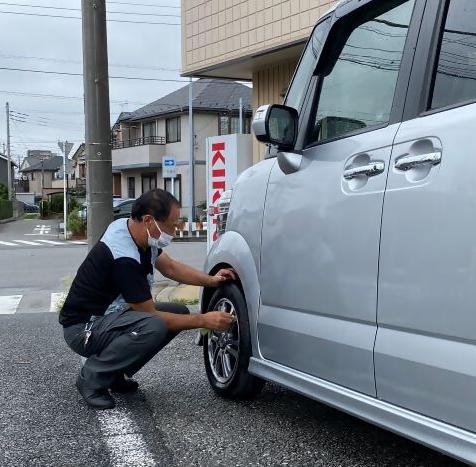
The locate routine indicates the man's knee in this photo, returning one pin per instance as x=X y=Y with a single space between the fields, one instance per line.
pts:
x=154 y=325
x=176 y=308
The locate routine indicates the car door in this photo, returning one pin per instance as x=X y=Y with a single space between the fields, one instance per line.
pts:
x=425 y=349
x=321 y=226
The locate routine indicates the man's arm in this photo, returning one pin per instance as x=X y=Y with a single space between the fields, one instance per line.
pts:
x=215 y=320
x=184 y=274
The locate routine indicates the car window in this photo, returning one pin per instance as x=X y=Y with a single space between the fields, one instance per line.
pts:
x=303 y=74
x=359 y=76
x=455 y=75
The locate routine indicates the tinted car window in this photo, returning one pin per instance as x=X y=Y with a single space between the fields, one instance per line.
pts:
x=359 y=78
x=297 y=90
x=455 y=78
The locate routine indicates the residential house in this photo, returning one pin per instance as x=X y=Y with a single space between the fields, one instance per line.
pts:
x=260 y=41
x=42 y=173
x=4 y=170
x=143 y=137
x=79 y=168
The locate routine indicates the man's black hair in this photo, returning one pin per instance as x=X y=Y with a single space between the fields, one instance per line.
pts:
x=157 y=203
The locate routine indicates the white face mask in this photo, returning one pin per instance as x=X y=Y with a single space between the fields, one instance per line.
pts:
x=161 y=242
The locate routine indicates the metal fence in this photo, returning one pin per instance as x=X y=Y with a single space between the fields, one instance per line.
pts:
x=138 y=142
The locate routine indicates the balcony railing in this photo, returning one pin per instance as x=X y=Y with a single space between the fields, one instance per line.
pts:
x=138 y=142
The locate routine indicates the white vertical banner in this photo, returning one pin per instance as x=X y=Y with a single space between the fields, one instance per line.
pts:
x=227 y=156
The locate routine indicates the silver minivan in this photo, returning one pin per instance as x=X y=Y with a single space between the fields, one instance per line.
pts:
x=355 y=239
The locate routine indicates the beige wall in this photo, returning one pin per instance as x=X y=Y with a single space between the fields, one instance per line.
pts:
x=219 y=31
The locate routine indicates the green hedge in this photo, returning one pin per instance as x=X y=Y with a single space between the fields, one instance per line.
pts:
x=6 y=209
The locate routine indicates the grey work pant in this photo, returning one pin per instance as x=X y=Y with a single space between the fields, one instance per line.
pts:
x=120 y=343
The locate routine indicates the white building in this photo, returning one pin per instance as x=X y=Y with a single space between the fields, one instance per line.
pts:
x=143 y=137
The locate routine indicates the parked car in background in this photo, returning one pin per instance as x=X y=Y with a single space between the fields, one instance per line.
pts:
x=121 y=207
x=353 y=241
x=29 y=208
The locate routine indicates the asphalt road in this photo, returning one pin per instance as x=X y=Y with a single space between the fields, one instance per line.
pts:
x=175 y=419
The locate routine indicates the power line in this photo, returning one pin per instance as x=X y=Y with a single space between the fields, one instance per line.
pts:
x=79 y=62
x=76 y=17
x=143 y=4
x=65 y=73
x=79 y=9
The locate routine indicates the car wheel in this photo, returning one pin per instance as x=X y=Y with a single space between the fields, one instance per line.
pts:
x=227 y=354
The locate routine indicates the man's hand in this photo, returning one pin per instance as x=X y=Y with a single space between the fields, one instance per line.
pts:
x=217 y=320
x=222 y=276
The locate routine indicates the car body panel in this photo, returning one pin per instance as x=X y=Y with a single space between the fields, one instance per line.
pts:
x=427 y=293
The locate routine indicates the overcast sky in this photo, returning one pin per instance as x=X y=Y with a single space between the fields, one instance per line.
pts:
x=54 y=44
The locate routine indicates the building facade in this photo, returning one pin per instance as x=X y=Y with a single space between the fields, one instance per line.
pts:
x=256 y=40
x=4 y=170
x=143 y=137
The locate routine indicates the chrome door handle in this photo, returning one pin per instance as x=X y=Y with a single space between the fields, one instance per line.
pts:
x=409 y=162
x=369 y=170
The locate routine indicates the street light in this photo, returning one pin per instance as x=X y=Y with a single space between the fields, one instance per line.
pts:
x=65 y=148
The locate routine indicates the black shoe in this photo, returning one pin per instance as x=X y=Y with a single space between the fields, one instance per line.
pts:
x=96 y=398
x=123 y=385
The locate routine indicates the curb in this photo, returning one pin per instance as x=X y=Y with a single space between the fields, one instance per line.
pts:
x=10 y=219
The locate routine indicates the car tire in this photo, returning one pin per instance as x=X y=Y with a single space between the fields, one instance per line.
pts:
x=233 y=347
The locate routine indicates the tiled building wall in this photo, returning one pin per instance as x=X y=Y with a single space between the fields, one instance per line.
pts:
x=216 y=31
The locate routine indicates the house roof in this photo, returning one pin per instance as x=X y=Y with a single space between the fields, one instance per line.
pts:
x=51 y=164
x=2 y=156
x=79 y=152
x=219 y=95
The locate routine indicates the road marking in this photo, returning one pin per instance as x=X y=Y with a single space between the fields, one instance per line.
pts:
x=27 y=242
x=50 y=242
x=124 y=442
x=78 y=242
x=56 y=301
x=9 y=304
x=8 y=244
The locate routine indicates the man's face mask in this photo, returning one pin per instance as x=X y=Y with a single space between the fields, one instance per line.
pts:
x=161 y=242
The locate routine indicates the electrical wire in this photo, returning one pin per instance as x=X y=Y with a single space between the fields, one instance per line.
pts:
x=79 y=9
x=78 y=18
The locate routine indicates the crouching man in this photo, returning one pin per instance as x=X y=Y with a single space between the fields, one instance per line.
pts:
x=109 y=315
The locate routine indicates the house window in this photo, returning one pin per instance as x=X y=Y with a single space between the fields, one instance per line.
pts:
x=82 y=171
x=149 y=182
x=131 y=187
x=172 y=126
x=149 y=129
x=177 y=187
x=230 y=124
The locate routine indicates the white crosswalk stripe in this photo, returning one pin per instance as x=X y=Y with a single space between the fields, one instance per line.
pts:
x=38 y=242
x=9 y=304
x=25 y=242
x=56 y=300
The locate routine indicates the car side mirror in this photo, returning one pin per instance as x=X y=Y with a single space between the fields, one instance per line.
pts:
x=276 y=125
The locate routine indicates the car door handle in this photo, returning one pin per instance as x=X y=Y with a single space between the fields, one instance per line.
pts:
x=409 y=162
x=369 y=170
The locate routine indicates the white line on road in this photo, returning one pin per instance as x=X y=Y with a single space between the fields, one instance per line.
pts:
x=50 y=242
x=78 y=242
x=126 y=446
x=8 y=244
x=9 y=304
x=27 y=242
x=56 y=299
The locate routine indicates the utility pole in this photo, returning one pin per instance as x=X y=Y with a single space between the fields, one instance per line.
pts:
x=190 y=158
x=9 y=163
x=241 y=115
x=97 y=115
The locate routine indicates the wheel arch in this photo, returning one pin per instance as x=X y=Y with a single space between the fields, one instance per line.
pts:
x=232 y=251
